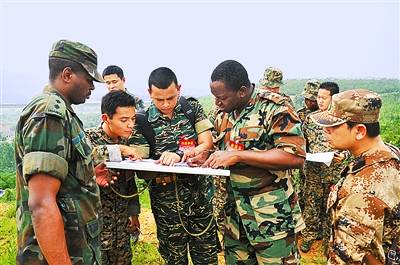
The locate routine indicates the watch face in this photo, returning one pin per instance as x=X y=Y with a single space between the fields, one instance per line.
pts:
x=179 y=153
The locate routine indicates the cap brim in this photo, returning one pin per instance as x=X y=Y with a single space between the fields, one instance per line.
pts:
x=93 y=73
x=325 y=119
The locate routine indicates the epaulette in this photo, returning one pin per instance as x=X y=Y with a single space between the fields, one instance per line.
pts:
x=274 y=97
x=55 y=106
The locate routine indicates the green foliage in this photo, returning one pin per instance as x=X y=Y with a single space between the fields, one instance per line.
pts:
x=8 y=234
x=145 y=253
x=7 y=180
x=7 y=160
x=9 y=196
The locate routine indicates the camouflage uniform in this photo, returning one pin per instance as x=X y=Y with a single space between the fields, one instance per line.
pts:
x=194 y=204
x=365 y=203
x=263 y=215
x=310 y=91
x=50 y=140
x=115 y=237
x=273 y=78
x=318 y=179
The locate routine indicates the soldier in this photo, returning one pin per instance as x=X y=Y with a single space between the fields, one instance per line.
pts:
x=180 y=203
x=120 y=215
x=58 y=200
x=115 y=80
x=272 y=81
x=365 y=203
x=318 y=176
x=260 y=139
x=309 y=93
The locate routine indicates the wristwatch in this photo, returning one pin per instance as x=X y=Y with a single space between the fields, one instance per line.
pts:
x=179 y=153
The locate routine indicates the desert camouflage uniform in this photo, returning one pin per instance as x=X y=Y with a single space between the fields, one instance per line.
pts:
x=263 y=215
x=115 y=237
x=318 y=180
x=50 y=139
x=365 y=207
x=194 y=204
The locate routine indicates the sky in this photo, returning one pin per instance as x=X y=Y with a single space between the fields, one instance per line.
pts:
x=305 y=39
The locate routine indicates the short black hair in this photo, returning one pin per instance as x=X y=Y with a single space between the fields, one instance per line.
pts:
x=162 y=78
x=113 y=69
x=57 y=65
x=373 y=129
x=114 y=99
x=332 y=87
x=232 y=73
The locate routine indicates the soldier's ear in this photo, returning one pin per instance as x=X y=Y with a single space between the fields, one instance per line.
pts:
x=361 y=131
x=66 y=74
x=105 y=118
x=242 y=91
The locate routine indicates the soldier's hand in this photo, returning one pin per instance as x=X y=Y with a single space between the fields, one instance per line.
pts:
x=339 y=157
x=104 y=177
x=130 y=152
x=222 y=159
x=168 y=159
x=196 y=158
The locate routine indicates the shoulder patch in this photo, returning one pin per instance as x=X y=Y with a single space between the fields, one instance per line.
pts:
x=55 y=106
x=274 y=97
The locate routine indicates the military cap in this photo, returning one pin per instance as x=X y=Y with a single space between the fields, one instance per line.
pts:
x=272 y=78
x=79 y=53
x=358 y=105
x=310 y=90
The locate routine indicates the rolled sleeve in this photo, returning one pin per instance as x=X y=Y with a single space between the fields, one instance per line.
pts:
x=43 y=162
x=202 y=126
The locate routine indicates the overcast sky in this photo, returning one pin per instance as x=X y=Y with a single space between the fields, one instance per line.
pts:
x=341 y=39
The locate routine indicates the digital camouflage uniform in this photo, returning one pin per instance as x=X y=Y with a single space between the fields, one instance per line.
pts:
x=273 y=78
x=115 y=236
x=365 y=203
x=50 y=139
x=263 y=215
x=318 y=179
x=194 y=204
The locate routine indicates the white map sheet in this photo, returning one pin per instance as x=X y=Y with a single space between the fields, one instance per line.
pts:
x=150 y=165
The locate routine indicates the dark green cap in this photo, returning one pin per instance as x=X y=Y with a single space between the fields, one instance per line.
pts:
x=79 y=53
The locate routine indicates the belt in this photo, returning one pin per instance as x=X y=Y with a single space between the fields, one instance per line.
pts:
x=165 y=179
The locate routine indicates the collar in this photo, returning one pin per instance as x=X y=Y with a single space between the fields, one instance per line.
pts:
x=51 y=90
x=369 y=158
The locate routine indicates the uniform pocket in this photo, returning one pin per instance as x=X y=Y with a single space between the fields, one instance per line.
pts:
x=84 y=163
x=273 y=213
x=93 y=229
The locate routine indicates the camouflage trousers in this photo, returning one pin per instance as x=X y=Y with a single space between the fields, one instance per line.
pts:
x=248 y=246
x=195 y=209
x=316 y=191
x=219 y=200
x=244 y=251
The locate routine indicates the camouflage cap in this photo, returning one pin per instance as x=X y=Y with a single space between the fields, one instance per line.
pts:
x=310 y=90
x=272 y=78
x=358 y=105
x=79 y=53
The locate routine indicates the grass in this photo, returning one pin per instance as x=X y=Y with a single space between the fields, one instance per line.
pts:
x=143 y=253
